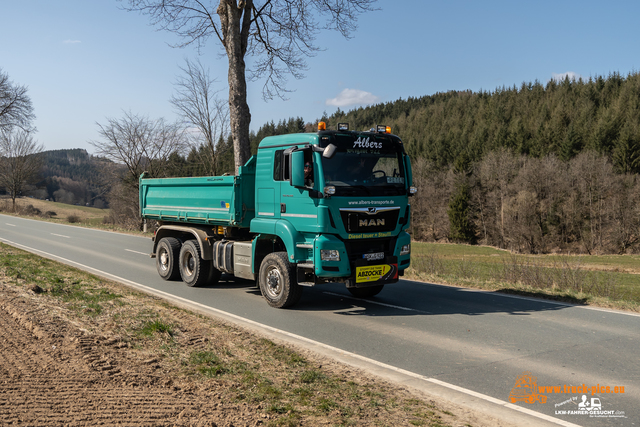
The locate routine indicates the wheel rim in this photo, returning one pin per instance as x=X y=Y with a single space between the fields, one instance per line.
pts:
x=274 y=283
x=189 y=263
x=164 y=260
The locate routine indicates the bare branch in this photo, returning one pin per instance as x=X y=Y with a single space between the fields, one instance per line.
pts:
x=140 y=144
x=277 y=34
x=203 y=112
x=15 y=105
x=20 y=161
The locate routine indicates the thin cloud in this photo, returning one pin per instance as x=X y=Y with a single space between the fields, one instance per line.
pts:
x=349 y=97
x=560 y=77
x=71 y=41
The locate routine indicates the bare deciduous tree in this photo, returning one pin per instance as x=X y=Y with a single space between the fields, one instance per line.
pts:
x=278 y=34
x=625 y=212
x=15 y=105
x=429 y=220
x=19 y=161
x=202 y=110
x=594 y=182
x=494 y=173
x=141 y=144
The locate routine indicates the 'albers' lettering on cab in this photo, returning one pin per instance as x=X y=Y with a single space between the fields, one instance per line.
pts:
x=370 y=222
x=366 y=143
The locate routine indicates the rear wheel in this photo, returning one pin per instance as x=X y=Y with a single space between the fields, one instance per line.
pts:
x=193 y=269
x=278 y=281
x=167 y=254
x=367 y=292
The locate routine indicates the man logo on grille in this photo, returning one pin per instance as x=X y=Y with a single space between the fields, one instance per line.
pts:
x=372 y=211
x=370 y=222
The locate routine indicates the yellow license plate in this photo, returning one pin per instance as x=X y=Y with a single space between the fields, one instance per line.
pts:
x=372 y=273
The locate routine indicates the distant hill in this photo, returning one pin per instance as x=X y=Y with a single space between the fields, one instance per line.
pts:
x=74 y=177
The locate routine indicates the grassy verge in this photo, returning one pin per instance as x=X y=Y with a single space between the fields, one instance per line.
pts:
x=60 y=213
x=608 y=281
x=289 y=388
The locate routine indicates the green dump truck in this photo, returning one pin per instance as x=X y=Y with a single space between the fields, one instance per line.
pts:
x=310 y=208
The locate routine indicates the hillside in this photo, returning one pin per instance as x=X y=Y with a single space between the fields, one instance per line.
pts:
x=73 y=177
x=560 y=118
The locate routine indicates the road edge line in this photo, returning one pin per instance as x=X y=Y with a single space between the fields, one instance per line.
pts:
x=454 y=394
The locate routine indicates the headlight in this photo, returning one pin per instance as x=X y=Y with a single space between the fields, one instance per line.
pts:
x=413 y=190
x=406 y=249
x=329 y=255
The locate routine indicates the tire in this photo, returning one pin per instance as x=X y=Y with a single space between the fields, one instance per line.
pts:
x=278 y=281
x=367 y=292
x=193 y=269
x=167 y=253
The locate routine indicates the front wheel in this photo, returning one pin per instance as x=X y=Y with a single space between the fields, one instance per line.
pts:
x=193 y=269
x=278 y=282
x=366 y=292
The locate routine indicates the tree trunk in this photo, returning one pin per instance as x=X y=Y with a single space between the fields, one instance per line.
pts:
x=235 y=18
x=239 y=114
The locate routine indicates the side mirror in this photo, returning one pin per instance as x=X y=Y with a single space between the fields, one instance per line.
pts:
x=296 y=167
x=409 y=178
x=329 y=151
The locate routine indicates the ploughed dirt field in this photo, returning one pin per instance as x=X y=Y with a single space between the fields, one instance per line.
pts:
x=76 y=350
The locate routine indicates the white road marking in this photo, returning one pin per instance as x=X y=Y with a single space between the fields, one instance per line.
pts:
x=281 y=332
x=137 y=252
x=10 y=225
x=60 y=235
x=86 y=228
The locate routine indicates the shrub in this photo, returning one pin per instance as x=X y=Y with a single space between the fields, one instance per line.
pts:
x=31 y=210
x=73 y=219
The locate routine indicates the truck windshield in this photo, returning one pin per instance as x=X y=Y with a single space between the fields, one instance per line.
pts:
x=364 y=165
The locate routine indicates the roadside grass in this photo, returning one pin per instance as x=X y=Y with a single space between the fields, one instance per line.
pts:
x=61 y=213
x=289 y=388
x=74 y=287
x=604 y=280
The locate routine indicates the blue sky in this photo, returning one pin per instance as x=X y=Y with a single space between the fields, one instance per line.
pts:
x=86 y=60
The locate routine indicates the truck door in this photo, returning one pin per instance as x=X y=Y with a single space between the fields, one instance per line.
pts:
x=296 y=204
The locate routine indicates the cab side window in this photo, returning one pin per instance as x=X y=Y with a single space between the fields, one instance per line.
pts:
x=281 y=166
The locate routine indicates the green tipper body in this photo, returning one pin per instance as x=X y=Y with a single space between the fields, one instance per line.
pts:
x=216 y=200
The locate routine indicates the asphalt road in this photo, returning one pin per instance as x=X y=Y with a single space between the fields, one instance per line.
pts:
x=477 y=341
